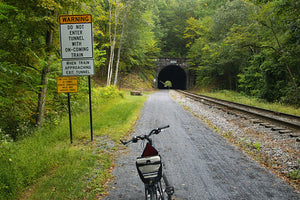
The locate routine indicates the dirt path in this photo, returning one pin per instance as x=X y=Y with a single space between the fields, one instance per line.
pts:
x=200 y=163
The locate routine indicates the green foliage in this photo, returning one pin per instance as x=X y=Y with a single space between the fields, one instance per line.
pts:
x=25 y=50
x=15 y=102
x=4 y=10
x=291 y=96
x=173 y=15
x=246 y=141
x=257 y=145
x=218 y=59
x=249 y=47
x=140 y=41
x=108 y=92
x=168 y=84
x=295 y=174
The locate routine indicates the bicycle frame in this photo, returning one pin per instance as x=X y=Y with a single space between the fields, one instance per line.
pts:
x=149 y=167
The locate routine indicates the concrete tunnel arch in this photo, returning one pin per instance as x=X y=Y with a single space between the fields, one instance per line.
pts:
x=175 y=74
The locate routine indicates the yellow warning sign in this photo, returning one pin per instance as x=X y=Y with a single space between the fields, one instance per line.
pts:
x=67 y=84
x=75 y=19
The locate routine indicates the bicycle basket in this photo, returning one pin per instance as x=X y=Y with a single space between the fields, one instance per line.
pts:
x=149 y=168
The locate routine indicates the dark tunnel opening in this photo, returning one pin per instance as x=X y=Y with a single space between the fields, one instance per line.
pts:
x=172 y=73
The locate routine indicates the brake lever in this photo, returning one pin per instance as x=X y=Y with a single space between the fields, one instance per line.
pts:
x=134 y=139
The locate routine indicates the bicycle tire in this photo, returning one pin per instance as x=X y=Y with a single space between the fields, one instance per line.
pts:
x=150 y=193
x=160 y=192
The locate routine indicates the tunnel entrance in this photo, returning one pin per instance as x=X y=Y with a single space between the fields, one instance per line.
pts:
x=175 y=74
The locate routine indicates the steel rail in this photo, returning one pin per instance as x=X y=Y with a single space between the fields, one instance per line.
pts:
x=291 y=121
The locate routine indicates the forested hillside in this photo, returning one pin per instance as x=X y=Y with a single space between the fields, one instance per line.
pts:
x=250 y=46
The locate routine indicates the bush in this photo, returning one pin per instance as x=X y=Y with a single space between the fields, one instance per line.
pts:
x=295 y=174
x=292 y=97
x=108 y=92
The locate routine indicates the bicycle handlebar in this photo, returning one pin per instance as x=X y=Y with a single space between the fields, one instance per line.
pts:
x=135 y=139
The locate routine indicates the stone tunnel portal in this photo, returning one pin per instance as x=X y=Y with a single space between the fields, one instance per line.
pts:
x=175 y=74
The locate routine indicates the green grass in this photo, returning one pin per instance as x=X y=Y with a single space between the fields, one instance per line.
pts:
x=46 y=166
x=257 y=145
x=295 y=174
x=239 y=98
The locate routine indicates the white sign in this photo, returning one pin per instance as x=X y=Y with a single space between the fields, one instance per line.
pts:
x=82 y=67
x=76 y=41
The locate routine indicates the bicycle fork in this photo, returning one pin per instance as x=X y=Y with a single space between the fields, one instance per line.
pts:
x=169 y=189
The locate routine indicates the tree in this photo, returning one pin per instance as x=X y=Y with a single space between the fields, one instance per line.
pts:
x=271 y=20
x=120 y=43
x=139 y=39
x=168 y=84
x=118 y=8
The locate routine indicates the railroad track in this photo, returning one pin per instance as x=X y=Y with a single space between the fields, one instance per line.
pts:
x=284 y=123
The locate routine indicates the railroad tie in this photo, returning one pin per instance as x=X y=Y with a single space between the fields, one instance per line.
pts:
x=277 y=128
x=285 y=131
x=295 y=135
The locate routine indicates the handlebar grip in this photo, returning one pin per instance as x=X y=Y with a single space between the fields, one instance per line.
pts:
x=133 y=140
x=164 y=127
x=124 y=143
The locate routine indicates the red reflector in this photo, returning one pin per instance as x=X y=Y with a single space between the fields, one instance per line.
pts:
x=149 y=151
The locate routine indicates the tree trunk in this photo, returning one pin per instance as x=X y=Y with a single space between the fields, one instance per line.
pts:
x=109 y=32
x=112 y=51
x=120 y=45
x=44 y=83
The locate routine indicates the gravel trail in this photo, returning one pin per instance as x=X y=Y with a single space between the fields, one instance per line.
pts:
x=200 y=163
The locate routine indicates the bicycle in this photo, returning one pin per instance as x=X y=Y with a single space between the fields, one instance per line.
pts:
x=149 y=166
